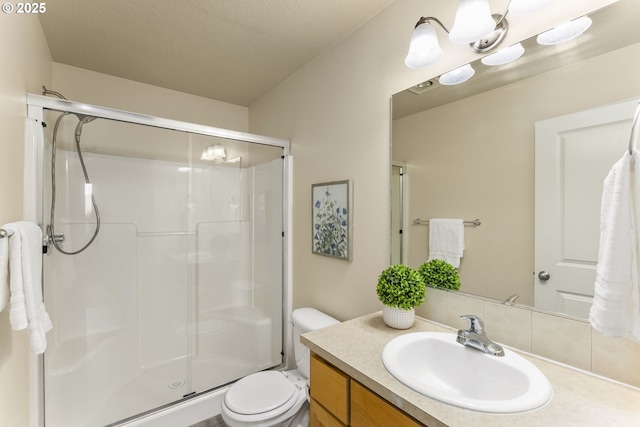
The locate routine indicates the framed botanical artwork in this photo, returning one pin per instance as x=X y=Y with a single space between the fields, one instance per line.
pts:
x=331 y=219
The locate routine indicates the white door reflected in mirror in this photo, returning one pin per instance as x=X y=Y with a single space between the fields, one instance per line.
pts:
x=574 y=153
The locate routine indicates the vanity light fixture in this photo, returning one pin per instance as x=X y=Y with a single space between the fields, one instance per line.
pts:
x=474 y=24
x=457 y=76
x=473 y=21
x=504 y=56
x=214 y=152
x=565 y=32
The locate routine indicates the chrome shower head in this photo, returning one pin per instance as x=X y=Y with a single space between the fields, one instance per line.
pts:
x=83 y=118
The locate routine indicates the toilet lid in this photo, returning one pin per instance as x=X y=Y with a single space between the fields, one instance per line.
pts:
x=260 y=392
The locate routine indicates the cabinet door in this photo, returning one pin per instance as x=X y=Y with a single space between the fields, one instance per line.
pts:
x=369 y=410
x=330 y=388
x=320 y=417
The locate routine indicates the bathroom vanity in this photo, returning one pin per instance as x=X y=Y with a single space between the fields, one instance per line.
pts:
x=338 y=400
x=351 y=387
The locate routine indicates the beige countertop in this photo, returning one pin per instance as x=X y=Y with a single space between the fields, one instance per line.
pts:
x=579 y=398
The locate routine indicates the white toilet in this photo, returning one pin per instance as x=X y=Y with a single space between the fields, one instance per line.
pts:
x=272 y=398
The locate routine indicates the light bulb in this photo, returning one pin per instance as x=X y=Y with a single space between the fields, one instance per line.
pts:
x=565 y=32
x=214 y=152
x=424 y=49
x=473 y=21
x=457 y=76
x=504 y=56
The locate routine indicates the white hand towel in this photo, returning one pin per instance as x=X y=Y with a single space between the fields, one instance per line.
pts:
x=611 y=310
x=635 y=280
x=446 y=240
x=4 y=272
x=25 y=282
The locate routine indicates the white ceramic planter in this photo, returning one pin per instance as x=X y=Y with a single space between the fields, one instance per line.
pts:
x=398 y=318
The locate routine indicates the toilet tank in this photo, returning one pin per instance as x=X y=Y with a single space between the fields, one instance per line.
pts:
x=305 y=320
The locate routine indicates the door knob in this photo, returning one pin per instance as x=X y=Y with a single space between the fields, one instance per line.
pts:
x=544 y=275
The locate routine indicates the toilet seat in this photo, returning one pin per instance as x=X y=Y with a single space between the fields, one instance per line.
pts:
x=260 y=393
x=264 y=399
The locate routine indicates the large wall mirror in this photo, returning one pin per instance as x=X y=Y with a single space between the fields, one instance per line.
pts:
x=469 y=151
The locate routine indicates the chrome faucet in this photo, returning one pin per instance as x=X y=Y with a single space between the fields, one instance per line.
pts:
x=475 y=337
x=511 y=300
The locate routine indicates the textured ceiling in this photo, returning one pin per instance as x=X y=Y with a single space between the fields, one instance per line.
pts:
x=229 y=50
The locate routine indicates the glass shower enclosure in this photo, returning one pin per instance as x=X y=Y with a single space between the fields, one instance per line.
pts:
x=182 y=289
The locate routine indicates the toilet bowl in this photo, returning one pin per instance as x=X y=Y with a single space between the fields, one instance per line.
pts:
x=264 y=399
x=272 y=398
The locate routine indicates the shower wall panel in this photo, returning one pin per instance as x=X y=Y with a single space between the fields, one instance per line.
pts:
x=188 y=260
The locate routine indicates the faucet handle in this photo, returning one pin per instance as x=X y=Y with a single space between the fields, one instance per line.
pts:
x=475 y=323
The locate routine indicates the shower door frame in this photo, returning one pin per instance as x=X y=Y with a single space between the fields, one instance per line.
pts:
x=33 y=209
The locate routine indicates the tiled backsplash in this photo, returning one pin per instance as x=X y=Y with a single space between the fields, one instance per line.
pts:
x=564 y=339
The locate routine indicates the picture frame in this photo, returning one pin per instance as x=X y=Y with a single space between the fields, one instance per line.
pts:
x=331 y=219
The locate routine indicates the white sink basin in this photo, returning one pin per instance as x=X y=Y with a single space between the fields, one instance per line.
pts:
x=435 y=365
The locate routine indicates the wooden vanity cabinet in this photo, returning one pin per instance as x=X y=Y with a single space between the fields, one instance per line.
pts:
x=339 y=401
x=320 y=417
x=329 y=391
x=370 y=410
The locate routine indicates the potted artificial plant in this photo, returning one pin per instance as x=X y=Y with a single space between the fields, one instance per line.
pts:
x=440 y=274
x=400 y=289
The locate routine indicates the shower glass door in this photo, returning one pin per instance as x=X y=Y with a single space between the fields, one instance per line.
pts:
x=181 y=290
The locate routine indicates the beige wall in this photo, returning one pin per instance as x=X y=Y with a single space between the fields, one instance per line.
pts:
x=475 y=159
x=26 y=66
x=90 y=87
x=336 y=113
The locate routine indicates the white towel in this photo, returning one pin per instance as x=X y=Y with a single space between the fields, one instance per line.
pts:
x=4 y=272
x=25 y=282
x=616 y=272
x=446 y=240
x=635 y=270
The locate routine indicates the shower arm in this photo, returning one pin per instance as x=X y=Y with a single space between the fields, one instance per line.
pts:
x=46 y=91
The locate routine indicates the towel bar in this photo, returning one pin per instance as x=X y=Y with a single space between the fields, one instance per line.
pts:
x=419 y=221
x=634 y=129
x=4 y=233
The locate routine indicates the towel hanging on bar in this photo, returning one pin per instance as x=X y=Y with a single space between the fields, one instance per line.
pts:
x=21 y=274
x=4 y=233
x=446 y=240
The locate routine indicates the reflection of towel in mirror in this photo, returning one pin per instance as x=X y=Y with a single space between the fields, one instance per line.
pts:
x=25 y=283
x=446 y=240
x=4 y=272
x=615 y=309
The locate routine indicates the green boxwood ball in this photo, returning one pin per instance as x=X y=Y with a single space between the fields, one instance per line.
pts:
x=402 y=287
x=440 y=274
